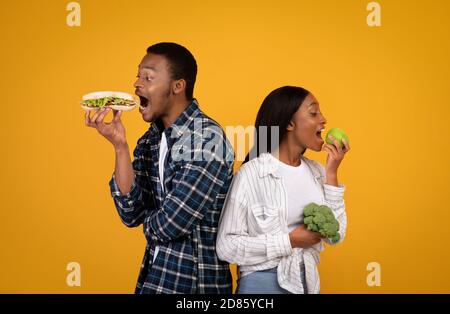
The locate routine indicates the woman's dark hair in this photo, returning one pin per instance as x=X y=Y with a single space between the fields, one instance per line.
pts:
x=182 y=63
x=273 y=118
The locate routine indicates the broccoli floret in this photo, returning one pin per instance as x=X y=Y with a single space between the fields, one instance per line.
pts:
x=308 y=221
x=310 y=224
x=336 y=238
x=329 y=229
x=321 y=219
x=309 y=209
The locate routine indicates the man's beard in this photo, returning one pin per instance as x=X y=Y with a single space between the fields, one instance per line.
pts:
x=164 y=100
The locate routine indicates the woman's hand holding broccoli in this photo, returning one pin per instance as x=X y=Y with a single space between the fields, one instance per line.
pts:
x=303 y=238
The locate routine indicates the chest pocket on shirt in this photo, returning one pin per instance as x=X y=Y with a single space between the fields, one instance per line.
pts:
x=265 y=219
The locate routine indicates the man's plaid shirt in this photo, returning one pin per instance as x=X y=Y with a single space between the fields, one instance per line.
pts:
x=182 y=221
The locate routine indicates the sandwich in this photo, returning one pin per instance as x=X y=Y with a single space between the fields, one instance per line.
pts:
x=114 y=100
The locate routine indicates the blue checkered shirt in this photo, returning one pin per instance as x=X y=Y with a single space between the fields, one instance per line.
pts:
x=182 y=219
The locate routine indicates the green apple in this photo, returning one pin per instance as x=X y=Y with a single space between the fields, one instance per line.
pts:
x=338 y=134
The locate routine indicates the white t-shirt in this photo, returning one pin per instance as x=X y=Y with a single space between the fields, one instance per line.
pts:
x=162 y=157
x=301 y=191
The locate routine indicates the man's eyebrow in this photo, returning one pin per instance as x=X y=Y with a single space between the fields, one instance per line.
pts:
x=312 y=104
x=147 y=67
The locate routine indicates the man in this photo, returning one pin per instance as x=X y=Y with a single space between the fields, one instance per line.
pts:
x=176 y=186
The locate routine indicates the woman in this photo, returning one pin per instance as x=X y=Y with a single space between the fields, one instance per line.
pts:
x=261 y=227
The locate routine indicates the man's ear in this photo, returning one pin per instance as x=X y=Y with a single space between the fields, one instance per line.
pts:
x=178 y=86
x=290 y=126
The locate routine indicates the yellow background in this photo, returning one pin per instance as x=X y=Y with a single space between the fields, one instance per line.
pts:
x=386 y=86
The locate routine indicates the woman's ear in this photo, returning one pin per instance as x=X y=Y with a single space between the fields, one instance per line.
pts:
x=290 y=126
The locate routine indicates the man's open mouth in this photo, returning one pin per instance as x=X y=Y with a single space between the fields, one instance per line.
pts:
x=143 y=101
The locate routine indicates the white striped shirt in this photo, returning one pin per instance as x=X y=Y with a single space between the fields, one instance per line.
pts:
x=253 y=225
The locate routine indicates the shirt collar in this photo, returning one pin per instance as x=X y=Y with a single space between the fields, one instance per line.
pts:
x=269 y=166
x=180 y=125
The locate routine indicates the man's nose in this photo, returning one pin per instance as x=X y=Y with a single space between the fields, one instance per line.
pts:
x=137 y=83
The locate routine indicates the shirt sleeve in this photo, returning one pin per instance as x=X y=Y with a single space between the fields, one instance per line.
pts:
x=133 y=206
x=195 y=188
x=234 y=244
x=334 y=198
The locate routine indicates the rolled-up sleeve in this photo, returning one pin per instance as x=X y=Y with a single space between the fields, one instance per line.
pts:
x=334 y=199
x=134 y=205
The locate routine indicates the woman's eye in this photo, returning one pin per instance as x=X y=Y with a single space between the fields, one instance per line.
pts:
x=314 y=114
x=149 y=78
